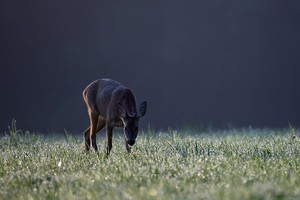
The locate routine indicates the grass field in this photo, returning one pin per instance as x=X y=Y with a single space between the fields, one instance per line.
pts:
x=233 y=164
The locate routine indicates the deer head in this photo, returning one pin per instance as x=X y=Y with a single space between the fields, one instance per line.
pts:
x=131 y=122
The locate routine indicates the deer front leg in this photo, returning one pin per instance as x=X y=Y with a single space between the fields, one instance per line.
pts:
x=128 y=148
x=109 y=130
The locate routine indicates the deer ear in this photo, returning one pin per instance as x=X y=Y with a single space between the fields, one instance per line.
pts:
x=142 y=109
x=121 y=110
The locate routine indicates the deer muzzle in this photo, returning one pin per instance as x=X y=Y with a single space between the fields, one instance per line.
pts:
x=130 y=142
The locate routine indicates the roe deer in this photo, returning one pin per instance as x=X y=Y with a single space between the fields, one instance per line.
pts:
x=111 y=104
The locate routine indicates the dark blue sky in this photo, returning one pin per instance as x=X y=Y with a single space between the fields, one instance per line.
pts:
x=216 y=62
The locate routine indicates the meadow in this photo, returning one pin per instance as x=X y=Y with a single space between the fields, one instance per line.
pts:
x=224 y=164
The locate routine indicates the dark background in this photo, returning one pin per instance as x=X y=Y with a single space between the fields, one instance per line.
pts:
x=216 y=63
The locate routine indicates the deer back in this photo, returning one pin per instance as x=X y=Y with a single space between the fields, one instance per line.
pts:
x=108 y=93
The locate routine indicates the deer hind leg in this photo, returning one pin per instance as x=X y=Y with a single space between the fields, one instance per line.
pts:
x=93 y=129
x=100 y=125
x=87 y=137
x=95 y=123
x=87 y=97
x=87 y=141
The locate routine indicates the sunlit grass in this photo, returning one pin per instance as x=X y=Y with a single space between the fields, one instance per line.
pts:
x=234 y=164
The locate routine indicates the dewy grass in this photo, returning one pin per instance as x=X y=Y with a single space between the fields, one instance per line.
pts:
x=236 y=164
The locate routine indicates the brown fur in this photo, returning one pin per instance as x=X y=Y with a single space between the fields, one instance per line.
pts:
x=111 y=104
